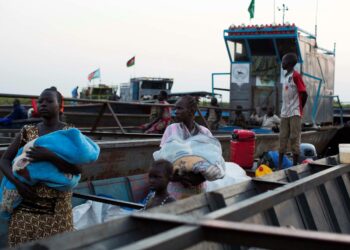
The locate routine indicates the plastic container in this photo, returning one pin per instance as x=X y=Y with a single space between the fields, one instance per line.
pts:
x=262 y=170
x=242 y=147
x=307 y=151
x=344 y=153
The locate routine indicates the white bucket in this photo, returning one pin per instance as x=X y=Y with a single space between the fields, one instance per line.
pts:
x=344 y=153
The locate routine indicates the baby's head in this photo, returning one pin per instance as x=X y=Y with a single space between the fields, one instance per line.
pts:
x=159 y=175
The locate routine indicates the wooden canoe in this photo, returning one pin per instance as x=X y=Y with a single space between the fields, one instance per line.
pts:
x=132 y=188
x=304 y=207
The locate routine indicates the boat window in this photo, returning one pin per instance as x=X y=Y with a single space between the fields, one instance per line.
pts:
x=154 y=85
x=261 y=47
x=239 y=48
x=169 y=85
x=285 y=46
x=238 y=51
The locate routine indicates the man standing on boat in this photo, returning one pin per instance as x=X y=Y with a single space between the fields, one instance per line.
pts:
x=294 y=98
x=213 y=115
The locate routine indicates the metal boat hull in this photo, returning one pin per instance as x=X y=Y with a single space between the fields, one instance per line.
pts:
x=305 y=207
x=129 y=157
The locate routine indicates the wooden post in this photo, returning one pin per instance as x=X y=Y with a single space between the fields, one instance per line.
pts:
x=204 y=120
x=100 y=114
x=116 y=118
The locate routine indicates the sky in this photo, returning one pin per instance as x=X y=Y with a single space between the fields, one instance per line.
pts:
x=58 y=43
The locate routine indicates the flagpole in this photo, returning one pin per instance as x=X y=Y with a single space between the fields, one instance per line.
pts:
x=274 y=11
x=134 y=70
x=316 y=18
x=99 y=70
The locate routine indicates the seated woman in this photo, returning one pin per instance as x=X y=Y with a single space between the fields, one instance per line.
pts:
x=159 y=176
x=26 y=224
x=163 y=118
x=18 y=113
x=270 y=120
x=192 y=149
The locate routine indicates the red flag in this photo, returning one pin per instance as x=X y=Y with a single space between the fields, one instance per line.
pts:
x=131 y=62
x=95 y=74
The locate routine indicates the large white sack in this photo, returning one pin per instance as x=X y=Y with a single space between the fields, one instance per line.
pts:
x=234 y=174
x=199 y=153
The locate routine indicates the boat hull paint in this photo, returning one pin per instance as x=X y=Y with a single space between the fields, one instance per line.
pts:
x=131 y=157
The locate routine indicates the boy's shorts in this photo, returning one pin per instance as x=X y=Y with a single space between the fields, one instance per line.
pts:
x=290 y=129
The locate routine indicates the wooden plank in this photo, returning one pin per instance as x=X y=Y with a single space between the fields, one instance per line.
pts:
x=272 y=215
x=116 y=118
x=333 y=220
x=271 y=237
x=259 y=236
x=345 y=194
x=204 y=120
x=289 y=215
x=264 y=185
x=178 y=238
x=106 y=200
x=303 y=205
x=267 y=200
x=100 y=114
x=215 y=200
x=81 y=238
x=199 y=203
x=244 y=234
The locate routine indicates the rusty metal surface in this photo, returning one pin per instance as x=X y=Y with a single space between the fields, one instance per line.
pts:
x=129 y=157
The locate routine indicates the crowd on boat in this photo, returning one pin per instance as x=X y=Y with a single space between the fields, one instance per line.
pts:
x=40 y=174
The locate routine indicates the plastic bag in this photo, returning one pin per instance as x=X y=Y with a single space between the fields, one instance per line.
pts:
x=234 y=174
x=199 y=153
x=91 y=213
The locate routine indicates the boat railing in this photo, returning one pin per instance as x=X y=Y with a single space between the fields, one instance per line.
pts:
x=107 y=105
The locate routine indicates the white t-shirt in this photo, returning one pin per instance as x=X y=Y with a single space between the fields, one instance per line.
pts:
x=293 y=85
x=269 y=122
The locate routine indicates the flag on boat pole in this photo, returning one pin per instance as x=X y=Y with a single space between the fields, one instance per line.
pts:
x=251 y=9
x=131 y=62
x=94 y=75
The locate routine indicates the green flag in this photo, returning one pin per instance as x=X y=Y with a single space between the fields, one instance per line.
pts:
x=251 y=9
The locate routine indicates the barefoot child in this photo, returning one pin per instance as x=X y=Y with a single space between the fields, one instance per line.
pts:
x=159 y=176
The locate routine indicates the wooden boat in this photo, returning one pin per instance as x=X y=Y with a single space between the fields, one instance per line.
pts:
x=304 y=207
x=84 y=115
x=117 y=157
x=119 y=175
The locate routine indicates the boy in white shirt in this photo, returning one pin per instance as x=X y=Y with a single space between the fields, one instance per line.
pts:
x=294 y=98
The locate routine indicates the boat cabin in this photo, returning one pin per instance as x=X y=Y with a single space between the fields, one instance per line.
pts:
x=100 y=92
x=144 y=88
x=255 y=54
x=205 y=95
